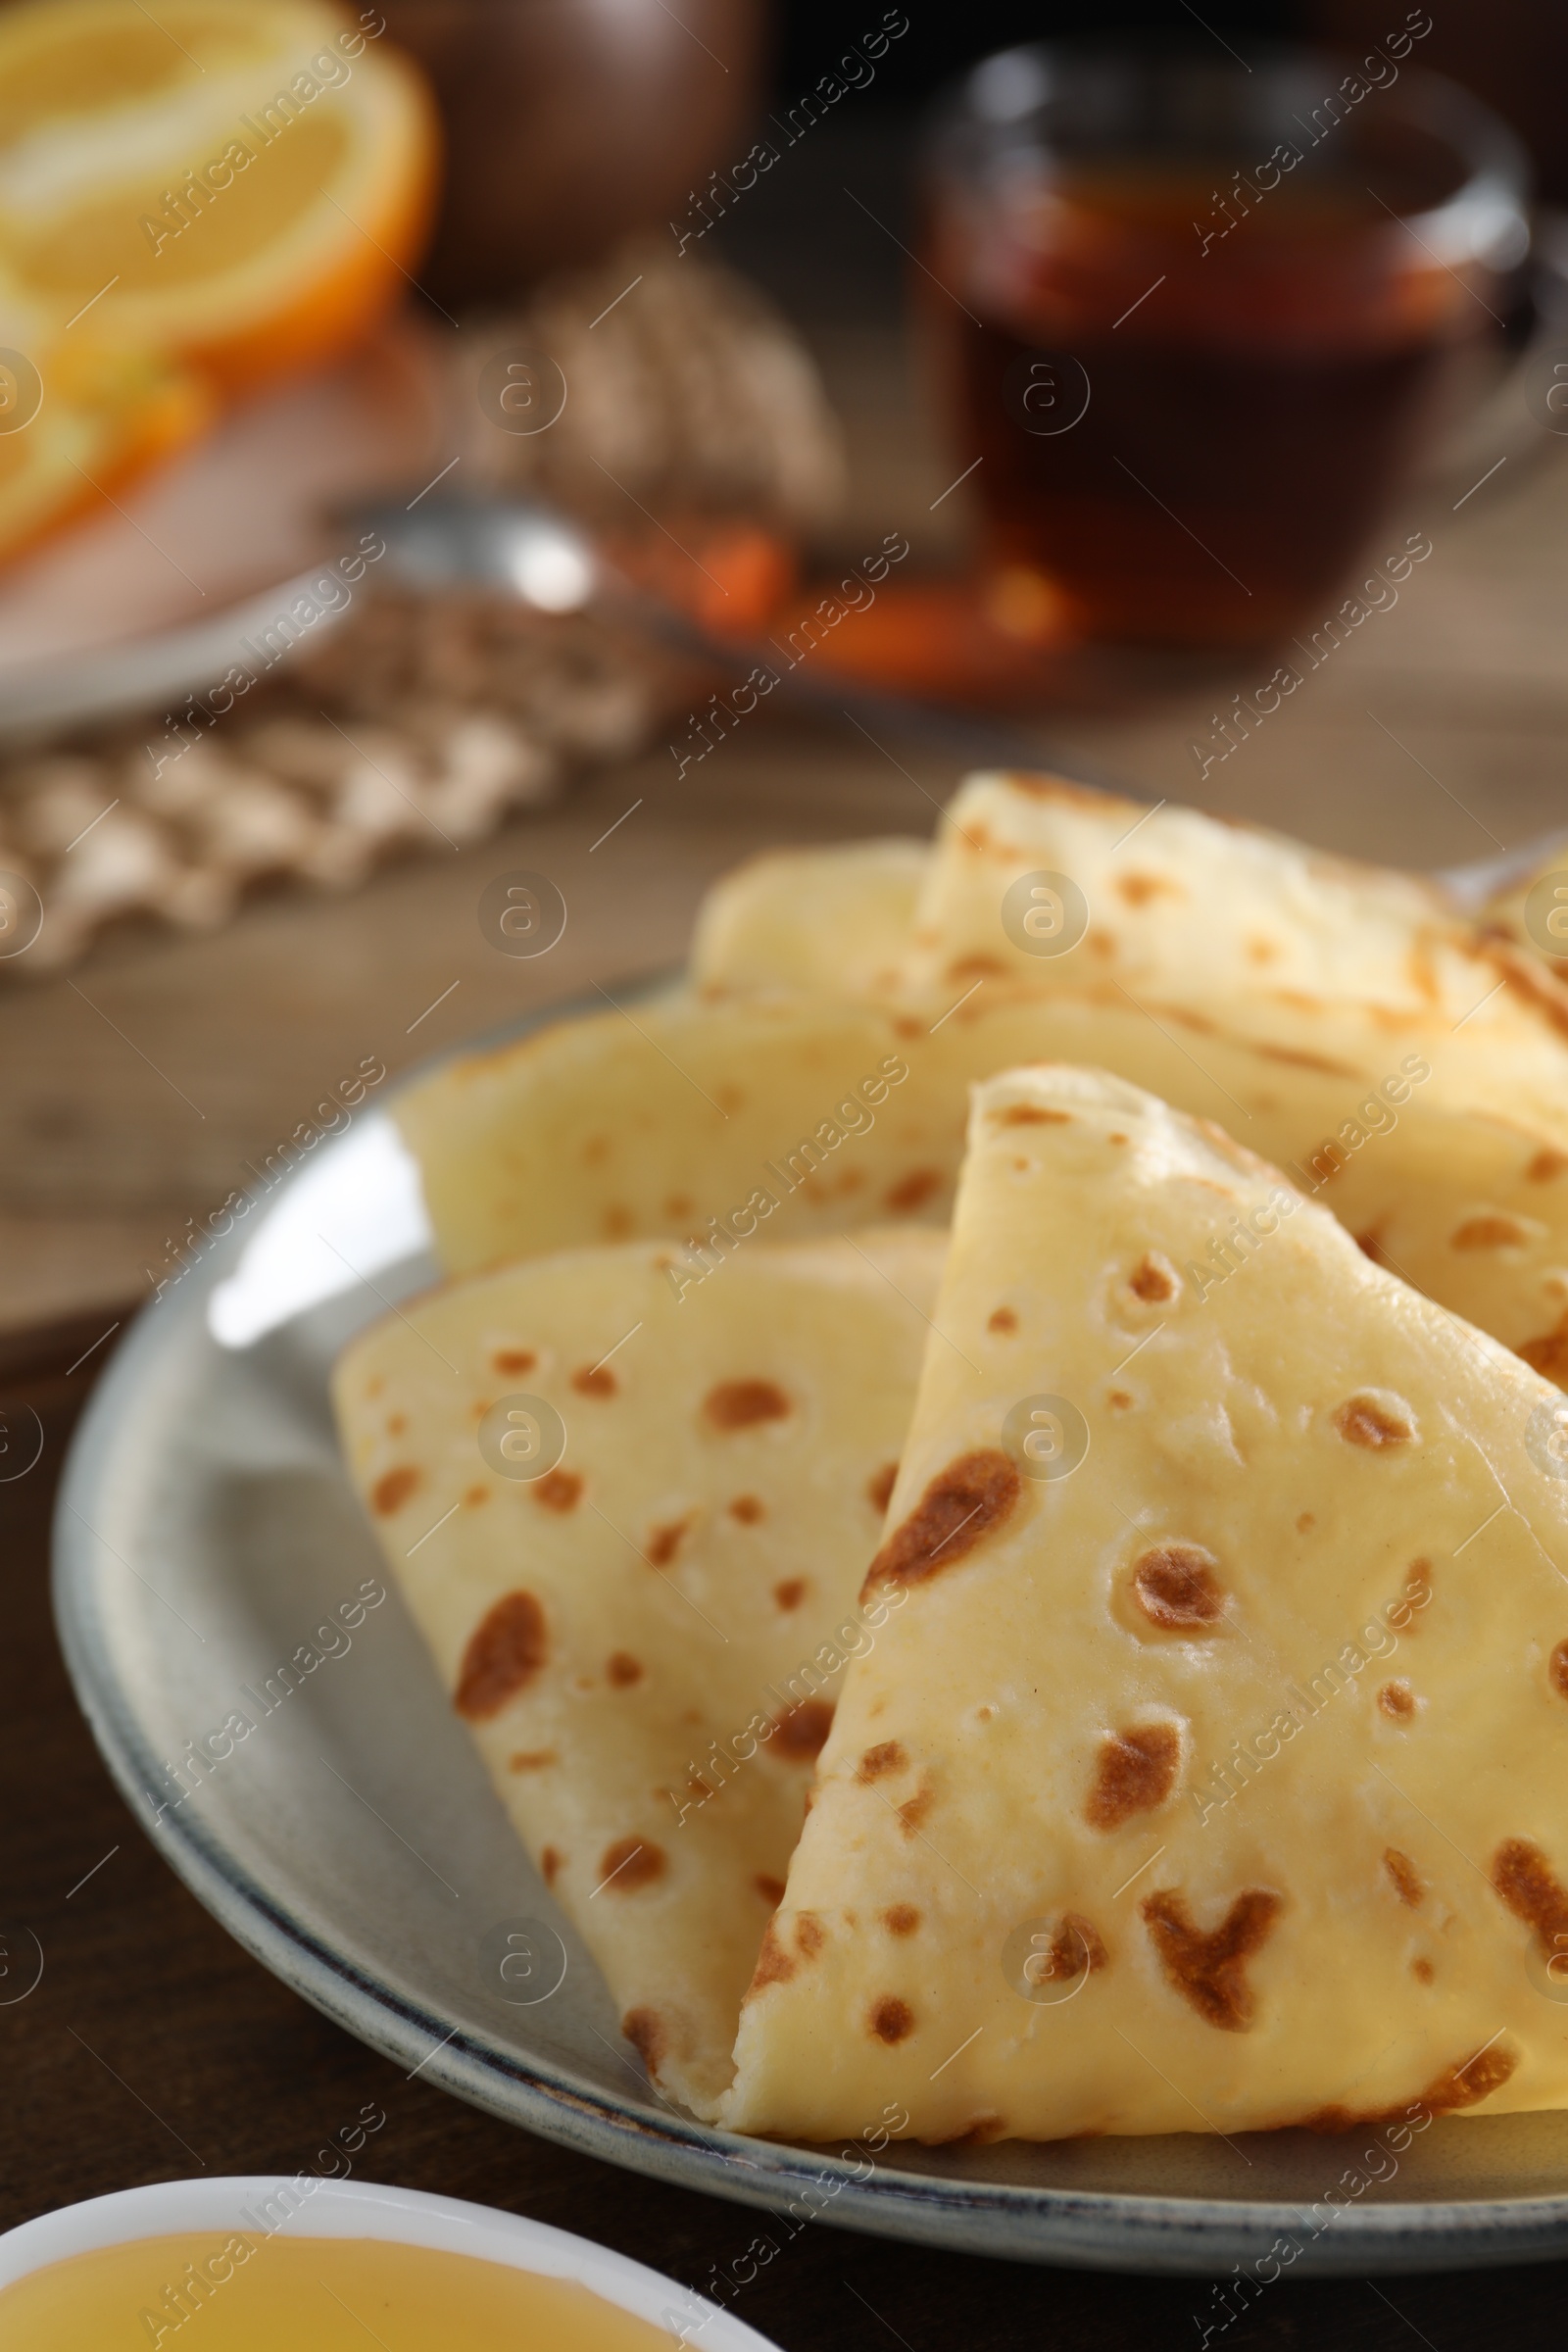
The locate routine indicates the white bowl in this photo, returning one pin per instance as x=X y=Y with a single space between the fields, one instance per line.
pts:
x=368 y=2209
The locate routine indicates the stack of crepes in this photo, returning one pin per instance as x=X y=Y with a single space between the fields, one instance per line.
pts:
x=1101 y=1668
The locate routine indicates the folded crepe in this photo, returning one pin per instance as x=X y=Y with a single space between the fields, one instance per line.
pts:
x=646 y=1633
x=709 y=1122
x=836 y=919
x=1532 y=912
x=1214 y=1775
x=1225 y=925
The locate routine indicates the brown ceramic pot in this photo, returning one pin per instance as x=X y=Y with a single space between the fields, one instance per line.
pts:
x=571 y=122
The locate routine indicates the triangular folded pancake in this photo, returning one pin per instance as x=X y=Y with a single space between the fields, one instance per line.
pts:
x=1225 y=925
x=1214 y=1775
x=1532 y=912
x=647 y=1639
x=704 y=1122
x=835 y=919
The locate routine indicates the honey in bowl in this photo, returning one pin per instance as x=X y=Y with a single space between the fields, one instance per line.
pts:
x=311 y=2294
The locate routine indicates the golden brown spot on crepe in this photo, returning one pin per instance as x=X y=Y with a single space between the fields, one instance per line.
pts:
x=373 y=1387
x=1303 y=1060
x=596 y=1148
x=617 y=1223
x=1306 y=1523
x=679 y=1204
x=914 y=1810
x=394 y=1487
x=974 y=967
x=1209 y=1969
x=802 y=1729
x=730 y=1097
x=1398 y=1700
x=879 y=1487
x=887 y=1757
x=1528 y=1884
x=1115 y=1138
x=747 y=1508
x=790 y=1592
x=892 y=2020
x=1118 y=1400
x=506 y=1650
x=1557 y=1669
x=1492 y=1232
x=644 y=2028
x=978 y=2132
x=1030 y=1115
x=1176 y=1587
x=770 y=1890
x=513 y=1359
x=1461 y=2086
x=630 y=1863
x=1545 y=1165
x=1371 y=1247
x=962 y=1505
x=850 y=1180
x=1417 y=1587
x=810 y=1935
x=532 y=1759
x=595 y=1380
x=1407 y=1877
x=1366 y=1421
x=1002 y=1318
x=741 y=1403
x=774 y=1965
x=1139 y=888
x=664 y=1542
x=1423 y=1969
x=558 y=1490
x=1154 y=1277
x=549 y=1863
x=906 y=1025
x=622 y=1669
x=1134 y=1772
x=1067 y=795
x=1550 y=1353
x=1075 y=1947
x=396 y=1424
x=913 y=1191
x=1261 y=951
x=473 y=1497
x=900 y=1918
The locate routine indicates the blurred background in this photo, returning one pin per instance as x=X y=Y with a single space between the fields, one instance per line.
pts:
x=604 y=437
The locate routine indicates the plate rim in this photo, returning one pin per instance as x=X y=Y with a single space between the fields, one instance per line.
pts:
x=1088 y=2228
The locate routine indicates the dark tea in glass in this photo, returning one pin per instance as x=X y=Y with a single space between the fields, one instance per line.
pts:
x=1198 y=324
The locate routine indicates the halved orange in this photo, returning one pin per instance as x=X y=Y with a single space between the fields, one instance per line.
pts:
x=242 y=183
x=105 y=418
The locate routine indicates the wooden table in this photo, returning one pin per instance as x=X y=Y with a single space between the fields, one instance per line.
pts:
x=153 y=2048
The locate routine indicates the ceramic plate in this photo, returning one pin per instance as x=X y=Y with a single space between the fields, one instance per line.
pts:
x=156 y=597
x=352 y=1841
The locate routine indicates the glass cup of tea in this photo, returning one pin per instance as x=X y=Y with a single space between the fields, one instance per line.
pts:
x=1198 y=325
